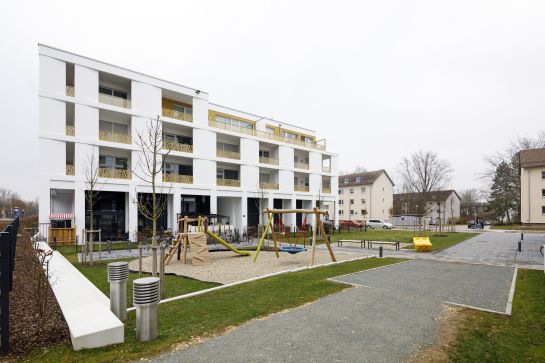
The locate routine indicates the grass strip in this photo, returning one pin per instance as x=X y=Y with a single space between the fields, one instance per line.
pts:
x=180 y=321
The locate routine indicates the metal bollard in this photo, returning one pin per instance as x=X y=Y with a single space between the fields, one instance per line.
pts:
x=520 y=246
x=145 y=298
x=118 y=274
x=380 y=251
x=522 y=236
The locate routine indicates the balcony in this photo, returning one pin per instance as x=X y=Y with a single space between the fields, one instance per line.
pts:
x=178 y=178
x=228 y=182
x=272 y=186
x=176 y=146
x=70 y=169
x=271 y=161
x=114 y=101
x=114 y=173
x=167 y=112
x=326 y=190
x=70 y=91
x=114 y=137
x=299 y=165
x=70 y=130
x=301 y=188
x=225 y=126
x=326 y=169
x=228 y=154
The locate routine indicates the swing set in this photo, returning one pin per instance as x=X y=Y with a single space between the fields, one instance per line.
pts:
x=293 y=247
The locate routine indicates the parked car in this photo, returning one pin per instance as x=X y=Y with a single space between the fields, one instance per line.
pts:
x=352 y=224
x=379 y=223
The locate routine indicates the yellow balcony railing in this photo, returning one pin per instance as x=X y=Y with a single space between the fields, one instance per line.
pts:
x=114 y=101
x=271 y=161
x=273 y=186
x=167 y=112
x=70 y=169
x=228 y=154
x=326 y=169
x=114 y=173
x=326 y=190
x=114 y=137
x=228 y=182
x=70 y=130
x=301 y=188
x=176 y=146
x=264 y=135
x=299 y=165
x=70 y=91
x=178 y=178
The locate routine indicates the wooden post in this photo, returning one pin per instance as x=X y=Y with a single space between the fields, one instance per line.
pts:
x=314 y=228
x=139 y=260
x=327 y=242
x=185 y=239
x=274 y=236
x=162 y=271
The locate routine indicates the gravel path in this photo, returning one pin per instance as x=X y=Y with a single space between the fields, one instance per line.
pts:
x=390 y=313
x=227 y=267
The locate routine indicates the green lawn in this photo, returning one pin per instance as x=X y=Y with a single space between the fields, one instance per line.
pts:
x=212 y=313
x=487 y=337
x=439 y=243
x=98 y=275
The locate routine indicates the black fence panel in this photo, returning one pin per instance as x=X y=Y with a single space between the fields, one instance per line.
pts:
x=8 y=243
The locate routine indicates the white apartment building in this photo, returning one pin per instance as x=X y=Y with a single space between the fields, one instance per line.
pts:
x=364 y=196
x=222 y=161
x=532 y=186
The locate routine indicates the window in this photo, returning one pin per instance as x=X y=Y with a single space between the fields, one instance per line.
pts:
x=341 y=202
x=543 y=209
x=270 y=130
x=112 y=92
x=340 y=191
x=345 y=180
x=363 y=201
x=178 y=139
x=306 y=138
x=226 y=147
x=341 y=212
x=358 y=179
x=543 y=175
x=112 y=162
x=363 y=189
x=183 y=109
x=226 y=174
x=234 y=122
x=351 y=212
x=351 y=190
x=108 y=126
x=351 y=201
x=289 y=135
x=263 y=153
x=543 y=192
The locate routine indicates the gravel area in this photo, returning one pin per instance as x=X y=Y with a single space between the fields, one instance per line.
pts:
x=227 y=267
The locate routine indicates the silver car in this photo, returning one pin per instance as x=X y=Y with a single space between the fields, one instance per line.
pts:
x=379 y=223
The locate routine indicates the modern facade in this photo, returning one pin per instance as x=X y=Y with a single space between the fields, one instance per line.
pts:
x=364 y=196
x=532 y=186
x=432 y=205
x=221 y=161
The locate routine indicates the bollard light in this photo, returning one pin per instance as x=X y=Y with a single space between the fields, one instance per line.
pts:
x=146 y=296
x=118 y=274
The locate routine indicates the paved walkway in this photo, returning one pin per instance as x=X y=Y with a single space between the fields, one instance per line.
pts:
x=389 y=313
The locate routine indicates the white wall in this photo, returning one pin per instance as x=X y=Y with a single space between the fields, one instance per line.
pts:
x=52 y=76
x=85 y=83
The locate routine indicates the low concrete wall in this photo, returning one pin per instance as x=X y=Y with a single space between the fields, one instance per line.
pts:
x=85 y=308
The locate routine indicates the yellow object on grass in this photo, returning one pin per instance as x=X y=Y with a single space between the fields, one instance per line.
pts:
x=422 y=244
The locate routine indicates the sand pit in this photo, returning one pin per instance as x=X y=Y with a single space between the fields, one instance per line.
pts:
x=227 y=267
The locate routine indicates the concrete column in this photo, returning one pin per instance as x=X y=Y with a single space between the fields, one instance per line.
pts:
x=79 y=209
x=213 y=202
x=45 y=200
x=244 y=211
x=132 y=212
x=177 y=208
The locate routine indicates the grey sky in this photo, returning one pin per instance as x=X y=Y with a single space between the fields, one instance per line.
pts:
x=377 y=79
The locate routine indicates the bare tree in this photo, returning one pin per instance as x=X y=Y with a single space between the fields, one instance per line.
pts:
x=149 y=167
x=424 y=172
x=359 y=169
x=92 y=193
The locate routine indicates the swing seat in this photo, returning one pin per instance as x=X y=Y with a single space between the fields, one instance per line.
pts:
x=292 y=249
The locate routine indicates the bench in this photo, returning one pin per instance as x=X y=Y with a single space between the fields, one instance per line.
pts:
x=360 y=241
x=371 y=243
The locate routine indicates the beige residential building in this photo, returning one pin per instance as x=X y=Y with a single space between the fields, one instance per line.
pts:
x=532 y=186
x=364 y=196
x=441 y=203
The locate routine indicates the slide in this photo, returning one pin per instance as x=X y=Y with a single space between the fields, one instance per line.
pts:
x=211 y=234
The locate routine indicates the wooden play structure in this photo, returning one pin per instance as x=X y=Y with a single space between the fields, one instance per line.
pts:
x=318 y=229
x=195 y=240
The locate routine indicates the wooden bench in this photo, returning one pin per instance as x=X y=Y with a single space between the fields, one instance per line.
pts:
x=360 y=241
x=371 y=243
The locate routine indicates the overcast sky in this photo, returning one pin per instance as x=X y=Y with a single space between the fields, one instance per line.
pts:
x=377 y=79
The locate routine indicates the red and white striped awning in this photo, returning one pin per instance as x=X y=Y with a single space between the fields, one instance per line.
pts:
x=61 y=216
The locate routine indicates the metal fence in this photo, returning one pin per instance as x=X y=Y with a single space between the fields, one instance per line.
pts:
x=8 y=239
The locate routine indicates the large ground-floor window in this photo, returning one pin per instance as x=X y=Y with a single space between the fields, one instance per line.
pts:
x=108 y=215
x=145 y=225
